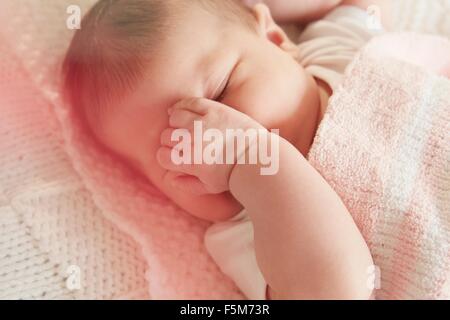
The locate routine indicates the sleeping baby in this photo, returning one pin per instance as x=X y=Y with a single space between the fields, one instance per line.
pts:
x=139 y=72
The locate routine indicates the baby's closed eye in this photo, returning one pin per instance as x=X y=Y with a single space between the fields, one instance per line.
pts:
x=221 y=92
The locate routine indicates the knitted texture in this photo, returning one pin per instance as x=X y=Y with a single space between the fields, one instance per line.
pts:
x=383 y=146
x=49 y=224
x=63 y=203
x=428 y=16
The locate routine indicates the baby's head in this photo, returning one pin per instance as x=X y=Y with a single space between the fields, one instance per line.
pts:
x=133 y=59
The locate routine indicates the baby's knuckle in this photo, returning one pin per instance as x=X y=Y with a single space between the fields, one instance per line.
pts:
x=179 y=104
x=184 y=103
x=192 y=101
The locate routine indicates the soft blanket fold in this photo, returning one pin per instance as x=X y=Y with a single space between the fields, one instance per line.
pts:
x=384 y=146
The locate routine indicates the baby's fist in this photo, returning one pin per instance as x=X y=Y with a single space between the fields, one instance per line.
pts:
x=200 y=147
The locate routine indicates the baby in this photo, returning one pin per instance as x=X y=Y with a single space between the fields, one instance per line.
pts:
x=139 y=70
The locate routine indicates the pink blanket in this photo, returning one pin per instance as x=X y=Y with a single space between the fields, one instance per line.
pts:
x=384 y=146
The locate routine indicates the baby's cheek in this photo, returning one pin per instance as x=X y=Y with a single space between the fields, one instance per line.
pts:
x=253 y=104
x=264 y=112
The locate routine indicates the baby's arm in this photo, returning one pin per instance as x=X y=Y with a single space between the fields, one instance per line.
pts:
x=307 y=245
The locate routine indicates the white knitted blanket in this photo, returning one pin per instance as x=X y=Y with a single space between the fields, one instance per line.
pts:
x=55 y=240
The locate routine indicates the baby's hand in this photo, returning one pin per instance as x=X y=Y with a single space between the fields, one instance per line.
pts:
x=198 y=160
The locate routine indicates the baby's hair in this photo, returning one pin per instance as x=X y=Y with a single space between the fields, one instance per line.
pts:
x=108 y=55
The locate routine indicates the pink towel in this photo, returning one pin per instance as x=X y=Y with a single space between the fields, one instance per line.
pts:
x=384 y=146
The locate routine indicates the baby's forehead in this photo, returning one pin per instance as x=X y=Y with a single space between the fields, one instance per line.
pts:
x=182 y=62
x=183 y=69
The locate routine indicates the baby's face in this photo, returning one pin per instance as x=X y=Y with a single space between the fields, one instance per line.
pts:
x=208 y=58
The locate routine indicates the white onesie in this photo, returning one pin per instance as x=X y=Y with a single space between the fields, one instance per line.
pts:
x=326 y=48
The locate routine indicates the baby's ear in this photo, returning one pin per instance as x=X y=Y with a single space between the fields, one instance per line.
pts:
x=267 y=27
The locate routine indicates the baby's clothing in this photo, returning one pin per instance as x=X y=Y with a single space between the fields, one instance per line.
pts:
x=326 y=48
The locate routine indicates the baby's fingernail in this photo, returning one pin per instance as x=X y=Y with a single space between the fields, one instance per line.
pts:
x=170 y=111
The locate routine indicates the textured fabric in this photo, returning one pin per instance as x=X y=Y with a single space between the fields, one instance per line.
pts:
x=52 y=217
x=231 y=245
x=327 y=46
x=48 y=222
x=383 y=147
x=428 y=16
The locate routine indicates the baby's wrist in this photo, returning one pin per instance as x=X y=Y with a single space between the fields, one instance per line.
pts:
x=260 y=157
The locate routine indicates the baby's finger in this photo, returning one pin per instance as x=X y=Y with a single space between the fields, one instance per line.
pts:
x=197 y=105
x=167 y=137
x=189 y=184
x=185 y=183
x=180 y=118
x=165 y=158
